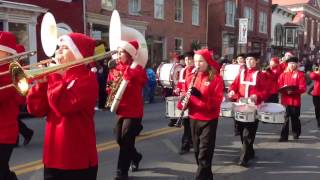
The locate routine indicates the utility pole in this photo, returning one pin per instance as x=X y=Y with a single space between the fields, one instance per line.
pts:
x=236 y=27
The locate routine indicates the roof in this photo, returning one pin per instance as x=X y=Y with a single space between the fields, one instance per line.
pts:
x=289 y=2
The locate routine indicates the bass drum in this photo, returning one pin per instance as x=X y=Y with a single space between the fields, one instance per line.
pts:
x=168 y=74
x=229 y=74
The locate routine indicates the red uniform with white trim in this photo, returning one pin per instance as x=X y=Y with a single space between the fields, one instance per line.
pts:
x=9 y=109
x=249 y=82
x=180 y=87
x=68 y=102
x=295 y=78
x=207 y=107
x=131 y=104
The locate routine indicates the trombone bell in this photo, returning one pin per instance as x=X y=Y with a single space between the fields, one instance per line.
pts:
x=19 y=78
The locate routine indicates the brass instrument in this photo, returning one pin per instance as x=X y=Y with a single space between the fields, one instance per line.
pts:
x=186 y=99
x=21 y=77
x=17 y=57
x=114 y=86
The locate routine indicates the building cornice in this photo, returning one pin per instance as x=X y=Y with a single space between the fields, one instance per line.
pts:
x=105 y=20
x=305 y=8
x=22 y=6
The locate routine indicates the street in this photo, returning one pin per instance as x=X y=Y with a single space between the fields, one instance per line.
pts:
x=159 y=144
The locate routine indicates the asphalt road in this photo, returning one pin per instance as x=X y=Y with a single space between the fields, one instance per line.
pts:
x=294 y=160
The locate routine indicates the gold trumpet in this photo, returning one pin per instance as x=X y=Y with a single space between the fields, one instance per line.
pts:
x=21 y=77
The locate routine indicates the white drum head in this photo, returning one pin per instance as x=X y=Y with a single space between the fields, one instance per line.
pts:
x=230 y=72
x=271 y=108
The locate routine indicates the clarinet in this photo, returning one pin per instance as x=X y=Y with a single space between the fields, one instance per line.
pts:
x=186 y=99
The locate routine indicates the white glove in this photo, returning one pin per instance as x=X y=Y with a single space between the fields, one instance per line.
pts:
x=230 y=94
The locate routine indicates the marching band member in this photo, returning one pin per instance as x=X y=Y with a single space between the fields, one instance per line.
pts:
x=186 y=141
x=130 y=109
x=291 y=99
x=9 y=108
x=283 y=64
x=273 y=73
x=204 y=107
x=315 y=76
x=67 y=98
x=248 y=84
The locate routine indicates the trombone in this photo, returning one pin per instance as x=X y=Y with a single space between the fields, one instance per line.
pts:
x=17 y=57
x=21 y=77
x=49 y=36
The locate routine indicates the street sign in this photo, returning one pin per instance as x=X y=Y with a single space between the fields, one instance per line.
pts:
x=243 y=30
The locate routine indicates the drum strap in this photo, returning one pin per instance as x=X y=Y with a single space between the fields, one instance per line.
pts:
x=248 y=83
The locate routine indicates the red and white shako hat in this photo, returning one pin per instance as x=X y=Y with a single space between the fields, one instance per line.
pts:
x=81 y=45
x=8 y=42
x=131 y=47
x=207 y=56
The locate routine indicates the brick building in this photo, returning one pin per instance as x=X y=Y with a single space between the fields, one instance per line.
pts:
x=169 y=26
x=308 y=16
x=223 y=26
x=23 y=18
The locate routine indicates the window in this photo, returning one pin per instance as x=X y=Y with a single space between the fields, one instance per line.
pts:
x=159 y=9
x=278 y=35
x=108 y=4
x=230 y=10
x=134 y=7
x=178 y=45
x=305 y=30
x=263 y=22
x=289 y=36
x=248 y=13
x=179 y=11
x=195 y=12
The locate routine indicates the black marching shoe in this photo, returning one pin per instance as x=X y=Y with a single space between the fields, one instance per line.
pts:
x=172 y=122
x=135 y=163
x=295 y=137
x=243 y=163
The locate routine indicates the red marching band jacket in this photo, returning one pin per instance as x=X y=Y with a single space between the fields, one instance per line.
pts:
x=316 y=85
x=68 y=101
x=271 y=79
x=207 y=106
x=9 y=109
x=131 y=103
x=249 y=82
x=295 y=78
x=180 y=87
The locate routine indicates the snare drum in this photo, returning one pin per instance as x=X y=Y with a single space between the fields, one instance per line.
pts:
x=271 y=113
x=171 y=108
x=226 y=109
x=168 y=74
x=245 y=112
x=230 y=73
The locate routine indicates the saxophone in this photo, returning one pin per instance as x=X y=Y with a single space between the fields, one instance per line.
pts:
x=114 y=86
